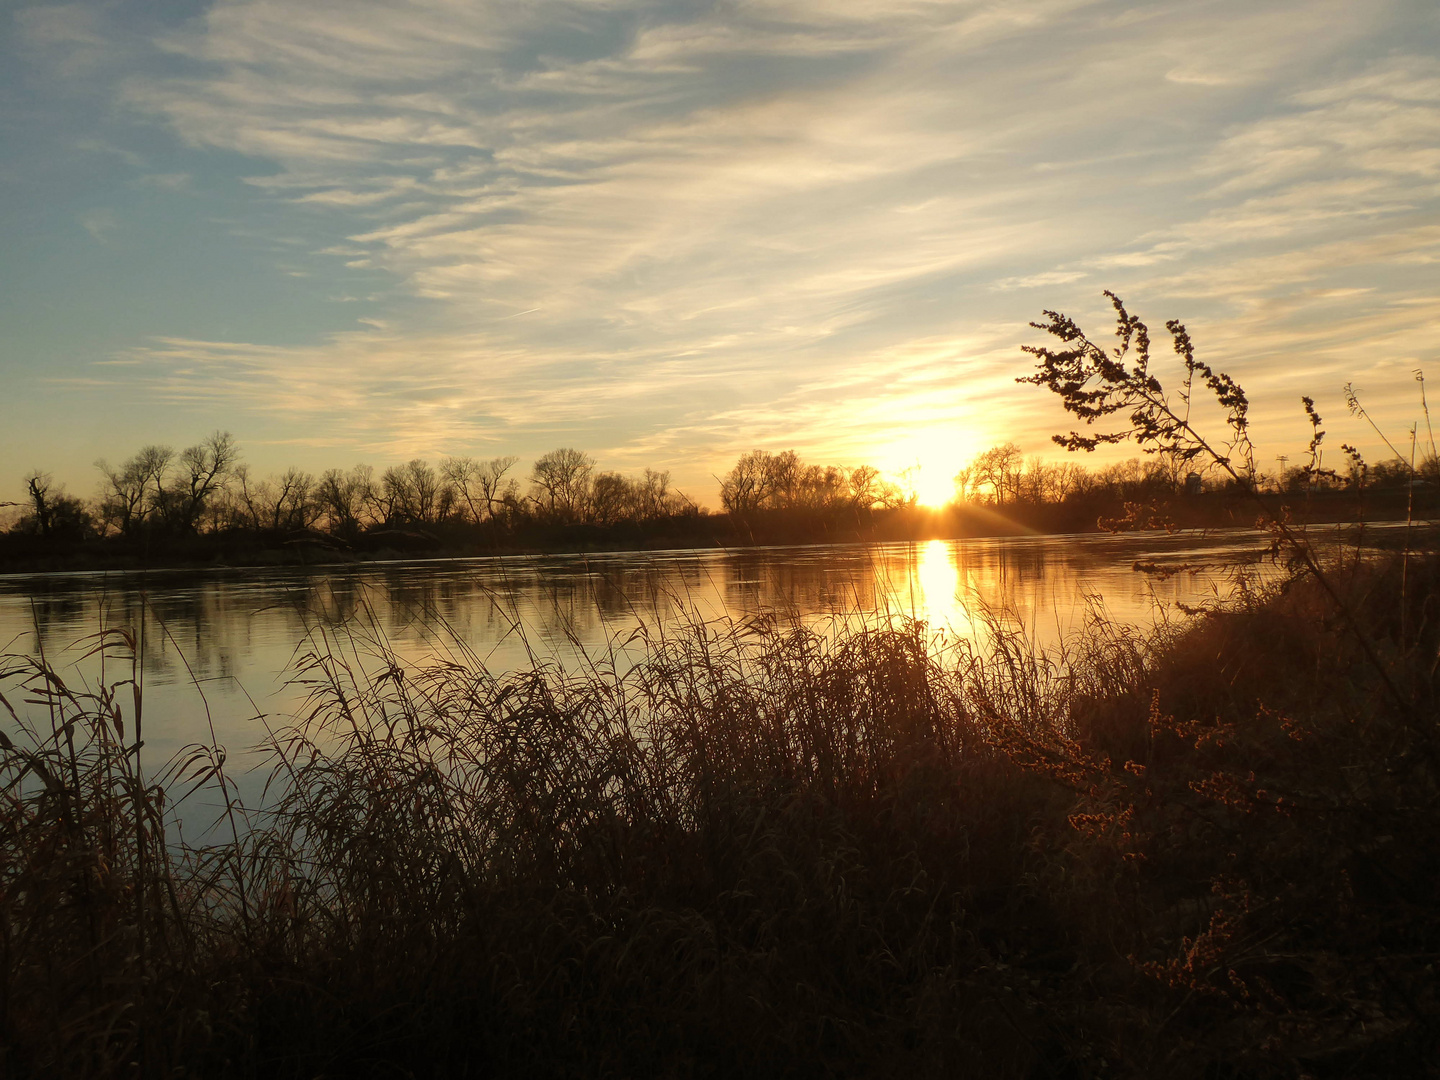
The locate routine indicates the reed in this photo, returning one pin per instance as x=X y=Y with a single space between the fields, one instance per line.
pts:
x=759 y=849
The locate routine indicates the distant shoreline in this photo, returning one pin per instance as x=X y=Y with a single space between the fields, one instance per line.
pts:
x=221 y=553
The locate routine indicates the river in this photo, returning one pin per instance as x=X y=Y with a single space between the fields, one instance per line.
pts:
x=219 y=645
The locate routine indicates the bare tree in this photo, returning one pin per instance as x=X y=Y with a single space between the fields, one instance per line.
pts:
x=295 y=505
x=785 y=472
x=904 y=489
x=963 y=480
x=133 y=490
x=1000 y=467
x=655 y=497
x=416 y=493
x=52 y=511
x=746 y=487
x=285 y=502
x=560 y=482
x=497 y=491
x=343 y=498
x=864 y=485
x=460 y=474
x=612 y=499
x=202 y=471
x=821 y=487
x=478 y=485
x=761 y=480
x=893 y=495
x=1069 y=479
x=37 y=486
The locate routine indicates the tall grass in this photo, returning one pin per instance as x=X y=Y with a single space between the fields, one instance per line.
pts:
x=759 y=849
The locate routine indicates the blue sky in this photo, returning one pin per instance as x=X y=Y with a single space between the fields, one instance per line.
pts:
x=670 y=233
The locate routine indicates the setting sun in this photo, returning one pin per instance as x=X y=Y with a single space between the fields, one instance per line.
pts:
x=934 y=484
x=927 y=463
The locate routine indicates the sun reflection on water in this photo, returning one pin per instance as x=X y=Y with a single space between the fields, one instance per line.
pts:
x=937 y=571
x=241 y=628
x=928 y=581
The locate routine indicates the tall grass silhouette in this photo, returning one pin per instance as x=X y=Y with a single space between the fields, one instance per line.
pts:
x=756 y=848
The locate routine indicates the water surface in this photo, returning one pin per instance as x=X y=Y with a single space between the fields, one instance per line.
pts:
x=218 y=645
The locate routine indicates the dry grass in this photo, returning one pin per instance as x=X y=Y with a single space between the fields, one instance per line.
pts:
x=760 y=851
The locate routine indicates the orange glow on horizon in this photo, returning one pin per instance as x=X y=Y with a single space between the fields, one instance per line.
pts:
x=926 y=464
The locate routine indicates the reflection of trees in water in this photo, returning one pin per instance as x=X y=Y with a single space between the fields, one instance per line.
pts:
x=222 y=625
x=803 y=582
x=586 y=600
x=204 y=628
x=927 y=580
x=1041 y=584
x=45 y=615
x=479 y=603
x=1017 y=578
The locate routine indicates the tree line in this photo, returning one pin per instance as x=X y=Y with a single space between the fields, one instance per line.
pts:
x=1004 y=476
x=207 y=489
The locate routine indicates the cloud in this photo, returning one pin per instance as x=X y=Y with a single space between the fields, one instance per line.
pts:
x=789 y=221
x=1386 y=123
x=99 y=223
x=1040 y=281
x=178 y=181
x=77 y=48
x=100 y=146
x=73 y=37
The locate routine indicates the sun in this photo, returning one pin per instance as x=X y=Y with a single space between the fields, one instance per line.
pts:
x=934 y=485
x=926 y=464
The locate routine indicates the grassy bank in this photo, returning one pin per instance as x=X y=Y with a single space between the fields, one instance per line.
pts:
x=1210 y=852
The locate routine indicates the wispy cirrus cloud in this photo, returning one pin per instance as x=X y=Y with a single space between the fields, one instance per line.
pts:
x=667 y=230
x=99 y=223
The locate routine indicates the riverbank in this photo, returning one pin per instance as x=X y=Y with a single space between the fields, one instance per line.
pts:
x=22 y=553
x=1208 y=851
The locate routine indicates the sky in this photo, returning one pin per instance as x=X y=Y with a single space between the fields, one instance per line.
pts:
x=669 y=233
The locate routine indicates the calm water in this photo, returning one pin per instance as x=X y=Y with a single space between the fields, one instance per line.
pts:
x=222 y=641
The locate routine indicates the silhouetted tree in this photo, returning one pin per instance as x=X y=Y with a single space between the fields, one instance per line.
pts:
x=560 y=483
x=761 y=480
x=416 y=493
x=1000 y=467
x=1393 y=473
x=286 y=502
x=37 y=486
x=655 y=499
x=786 y=471
x=822 y=487
x=53 y=514
x=612 y=499
x=479 y=486
x=343 y=498
x=133 y=490
x=747 y=486
x=864 y=486
x=202 y=471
